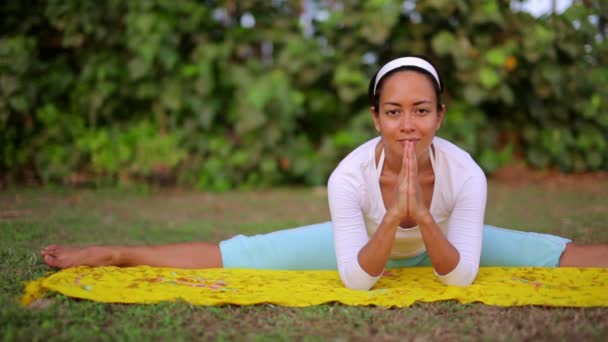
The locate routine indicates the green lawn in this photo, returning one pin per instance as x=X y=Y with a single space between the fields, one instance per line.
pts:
x=32 y=218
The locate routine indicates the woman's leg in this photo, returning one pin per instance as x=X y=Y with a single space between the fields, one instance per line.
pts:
x=577 y=255
x=180 y=255
x=308 y=247
x=303 y=248
x=506 y=247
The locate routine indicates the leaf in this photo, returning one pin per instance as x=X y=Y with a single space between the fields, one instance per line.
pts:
x=473 y=94
x=594 y=159
x=443 y=43
x=488 y=77
x=350 y=82
x=18 y=103
x=497 y=57
x=543 y=35
x=506 y=94
x=488 y=12
x=8 y=84
x=138 y=68
x=171 y=96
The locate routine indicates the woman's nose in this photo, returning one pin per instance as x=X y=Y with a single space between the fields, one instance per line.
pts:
x=406 y=122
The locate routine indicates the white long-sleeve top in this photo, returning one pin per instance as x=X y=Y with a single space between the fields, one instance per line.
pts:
x=357 y=209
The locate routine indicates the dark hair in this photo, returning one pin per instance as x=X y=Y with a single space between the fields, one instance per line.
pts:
x=374 y=99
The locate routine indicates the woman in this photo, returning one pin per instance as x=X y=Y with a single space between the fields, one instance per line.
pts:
x=405 y=198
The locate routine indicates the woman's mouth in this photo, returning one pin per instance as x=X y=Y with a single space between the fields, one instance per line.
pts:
x=403 y=141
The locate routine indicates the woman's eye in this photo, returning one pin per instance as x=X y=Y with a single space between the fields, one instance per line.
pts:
x=422 y=111
x=392 y=112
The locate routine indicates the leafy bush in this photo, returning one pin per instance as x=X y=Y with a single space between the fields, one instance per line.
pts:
x=224 y=94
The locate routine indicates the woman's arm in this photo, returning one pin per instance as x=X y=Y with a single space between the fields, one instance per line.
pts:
x=465 y=229
x=376 y=252
x=349 y=230
x=444 y=256
x=455 y=257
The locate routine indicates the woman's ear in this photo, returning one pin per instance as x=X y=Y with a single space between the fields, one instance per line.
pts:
x=440 y=116
x=375 y=117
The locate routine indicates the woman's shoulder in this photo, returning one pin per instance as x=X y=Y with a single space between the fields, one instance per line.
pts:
x=456 y=159
x=358 y=163
x=360 y=155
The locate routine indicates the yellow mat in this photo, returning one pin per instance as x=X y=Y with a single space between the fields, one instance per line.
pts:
x=578 y=287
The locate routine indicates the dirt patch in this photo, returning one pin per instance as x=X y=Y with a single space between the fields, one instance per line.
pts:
x=521 y=175
x=41 y=303
x=14 y=214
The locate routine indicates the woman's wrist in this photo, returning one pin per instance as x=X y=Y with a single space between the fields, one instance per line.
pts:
x=425 y=219
x=392 y=218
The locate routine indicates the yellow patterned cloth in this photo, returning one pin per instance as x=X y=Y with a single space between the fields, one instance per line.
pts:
x=577 y=287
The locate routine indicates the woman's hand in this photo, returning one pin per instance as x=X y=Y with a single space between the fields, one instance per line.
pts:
x=399 y=207
x=408 y=203
x=416 y=209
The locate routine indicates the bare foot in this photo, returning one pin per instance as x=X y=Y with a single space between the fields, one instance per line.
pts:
x=65 y=257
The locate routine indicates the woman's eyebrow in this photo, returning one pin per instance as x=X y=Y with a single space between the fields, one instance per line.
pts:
x=392 y=103
x=422 y=102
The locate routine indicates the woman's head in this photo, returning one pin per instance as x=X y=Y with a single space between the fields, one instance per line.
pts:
x=417 y=64
x=406 y=105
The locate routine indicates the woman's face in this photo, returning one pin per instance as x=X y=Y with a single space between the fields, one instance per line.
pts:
x=407 y=111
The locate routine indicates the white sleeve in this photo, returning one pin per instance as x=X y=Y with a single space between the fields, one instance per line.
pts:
x=349 y=231
x=465 y=230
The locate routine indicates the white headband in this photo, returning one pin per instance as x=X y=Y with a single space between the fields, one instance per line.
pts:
x=406 y=61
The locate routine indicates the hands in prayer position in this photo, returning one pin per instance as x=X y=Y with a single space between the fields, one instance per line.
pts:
x=408 y=204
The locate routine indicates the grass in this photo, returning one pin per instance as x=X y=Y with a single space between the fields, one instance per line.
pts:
x=33 y=218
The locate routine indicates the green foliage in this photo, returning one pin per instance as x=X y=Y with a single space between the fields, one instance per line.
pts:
x=115 y=90
x=136 y=149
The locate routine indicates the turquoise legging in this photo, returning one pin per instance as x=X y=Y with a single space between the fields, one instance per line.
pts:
x=312 y=248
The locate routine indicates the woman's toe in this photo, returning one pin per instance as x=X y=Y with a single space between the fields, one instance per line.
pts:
x=50 y=260
x=50 y=249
